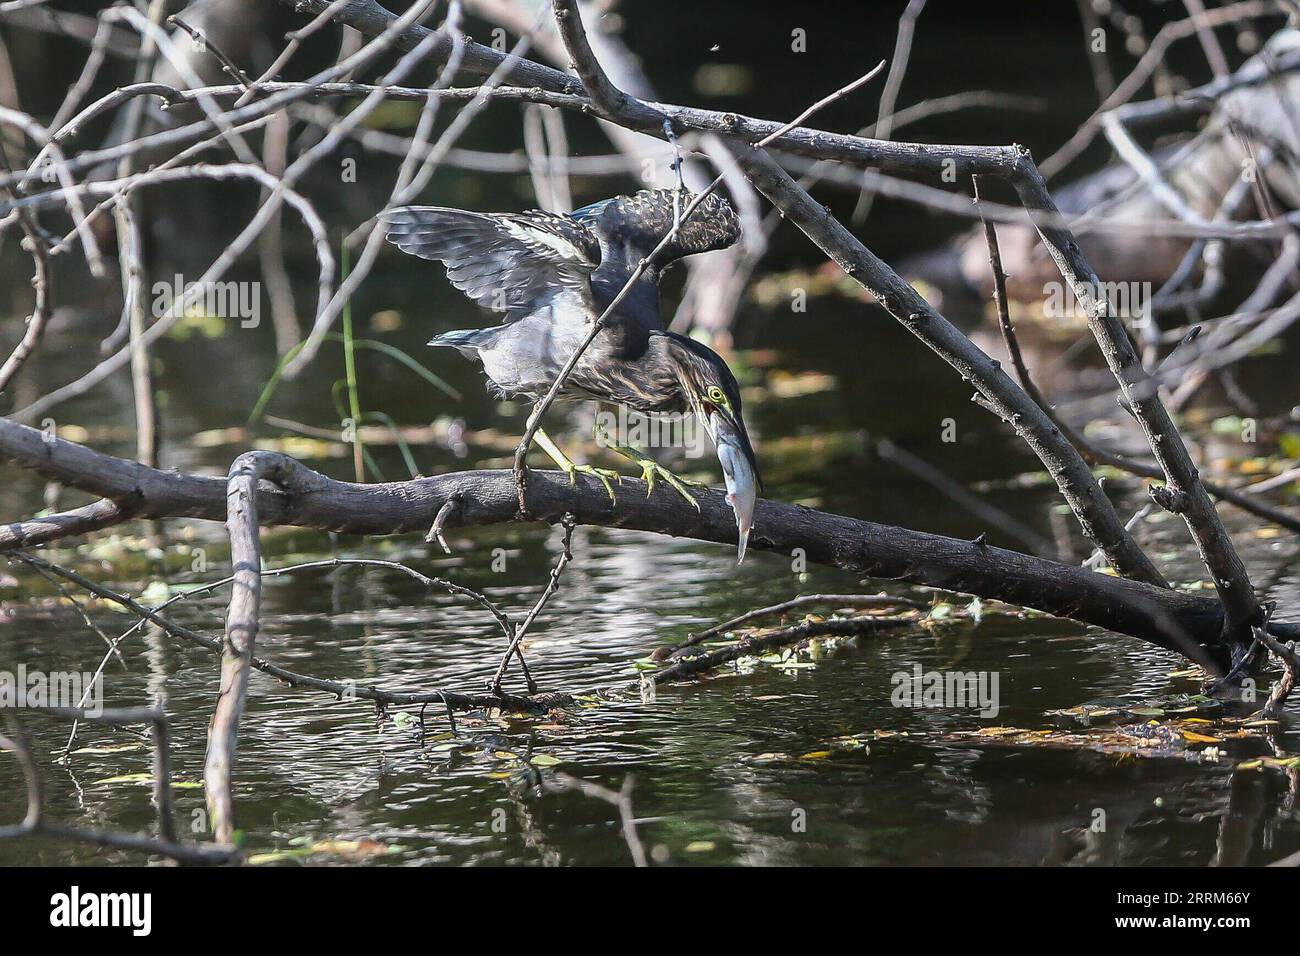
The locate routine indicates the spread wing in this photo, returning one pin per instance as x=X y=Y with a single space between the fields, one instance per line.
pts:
x=507 y=262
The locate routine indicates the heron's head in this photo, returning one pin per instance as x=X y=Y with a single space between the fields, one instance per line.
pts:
x=711 y=391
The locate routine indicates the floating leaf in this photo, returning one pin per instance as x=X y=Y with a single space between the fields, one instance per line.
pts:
x=303 y=847
x=544 y=760
x=145 y=778
x=109 y=748
x=125 y=778
x=277 y=856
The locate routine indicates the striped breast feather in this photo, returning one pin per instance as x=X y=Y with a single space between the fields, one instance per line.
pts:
x=507 y=262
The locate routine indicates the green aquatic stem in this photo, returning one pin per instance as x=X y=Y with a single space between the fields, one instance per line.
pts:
x=336 y=390
x=392 y=351
x=403 y=445
x=350 y=370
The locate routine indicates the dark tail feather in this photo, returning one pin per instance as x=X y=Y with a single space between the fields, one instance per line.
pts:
x=460 y=339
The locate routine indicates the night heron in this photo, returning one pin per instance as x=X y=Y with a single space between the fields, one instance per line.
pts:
x=553 y=276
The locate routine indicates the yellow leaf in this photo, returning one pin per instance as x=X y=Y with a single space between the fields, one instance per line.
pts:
x=998 y=731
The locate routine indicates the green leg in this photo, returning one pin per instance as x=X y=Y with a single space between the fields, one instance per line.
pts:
x=569 y=468
x=651 y=470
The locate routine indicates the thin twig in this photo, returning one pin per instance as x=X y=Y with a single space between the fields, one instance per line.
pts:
x=552 y=585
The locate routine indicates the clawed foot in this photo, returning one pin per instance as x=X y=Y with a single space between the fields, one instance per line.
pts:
x=603 y=475
x=652 y=471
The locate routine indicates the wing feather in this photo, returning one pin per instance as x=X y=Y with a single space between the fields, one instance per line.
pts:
x=508 y=262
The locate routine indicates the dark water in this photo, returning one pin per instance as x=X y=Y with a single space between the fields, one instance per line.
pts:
x=312 y=769
x=721 y=768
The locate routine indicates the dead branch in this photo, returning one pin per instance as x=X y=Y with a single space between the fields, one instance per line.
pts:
x=1096 y=514
x=1151 y=58
x=35 y=822
x=687 y=667
x=621 y=800
x=262 y=488
x=804 y=600
x=1092 y=453
x=341 y=690
x=1181 y=475
x=552 y=585
x=1189 y=624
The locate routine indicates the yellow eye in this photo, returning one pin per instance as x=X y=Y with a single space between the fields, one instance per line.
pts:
x=717 y=396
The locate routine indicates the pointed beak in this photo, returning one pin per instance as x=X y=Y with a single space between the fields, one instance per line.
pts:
x=736 y=456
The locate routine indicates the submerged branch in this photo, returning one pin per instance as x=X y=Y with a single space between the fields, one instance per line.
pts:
x=687 y=667
x=341 y=689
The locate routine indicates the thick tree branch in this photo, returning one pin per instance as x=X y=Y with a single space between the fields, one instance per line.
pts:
x=368 y=17
x=1186 y=494
x=1094 y=454
x=1183 y=479
x=1100 y=522
x=241 y=628
x=1187 y=623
